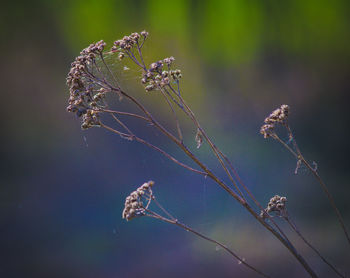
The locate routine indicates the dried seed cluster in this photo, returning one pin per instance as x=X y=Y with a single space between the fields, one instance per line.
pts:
x=278 y=116
x=128 y=42
x=84 y=95
x=276 y=204
x=88 y=85
x=134 y=206
x=155 y=77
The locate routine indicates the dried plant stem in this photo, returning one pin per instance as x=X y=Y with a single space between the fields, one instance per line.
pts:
x=100 y=80
x=206 y=170
x=296 y=230
x=220 y=155
x=123 y=113
x=284 y=241
x=140 y=140
x=189 y=229
x=246 y=189
x=298 y=155
x=109 y=71
x=189 y=112
x=179 y=132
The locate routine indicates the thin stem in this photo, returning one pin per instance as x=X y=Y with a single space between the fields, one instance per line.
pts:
x=122 y=124
x=251 y=195
x=174 y=100
x=138 y=139
x=103 y=83
x=294 y=227
x=329 y=196
x=132 y=57
x=121 y=134
x=275 y=136
x=140 y=54
x=189 y=112
x=143 y=41
x=162 y=208
x=286 y=243
x=189 y=229
x=123 y=113
x=174 y=115
x=109 y=70
x=301 y=158
x=99 y=70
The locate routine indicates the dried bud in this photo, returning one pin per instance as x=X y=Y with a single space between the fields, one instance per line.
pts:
x=267 y=130
x=134 y=206
x=150 y=87
x=144 y=34
x=276 y=204
x=169 y=61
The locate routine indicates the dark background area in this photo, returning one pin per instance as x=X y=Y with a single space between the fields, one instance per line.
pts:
x=63 y=189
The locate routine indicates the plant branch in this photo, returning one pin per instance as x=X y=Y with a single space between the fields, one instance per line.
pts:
x=294 y=227
x=189 y=229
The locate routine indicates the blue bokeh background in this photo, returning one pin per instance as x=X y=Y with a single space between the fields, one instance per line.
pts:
x=63 y=189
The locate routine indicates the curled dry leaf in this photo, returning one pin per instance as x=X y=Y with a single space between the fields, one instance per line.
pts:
x=199 y=138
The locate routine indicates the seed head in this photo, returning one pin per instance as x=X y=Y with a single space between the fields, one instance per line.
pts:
x=278 y=116
x=134 y=206
x=276 y=204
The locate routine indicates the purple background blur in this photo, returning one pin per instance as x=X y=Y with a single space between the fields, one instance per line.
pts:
x=63 y=189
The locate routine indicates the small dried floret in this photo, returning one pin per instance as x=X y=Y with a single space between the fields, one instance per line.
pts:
x=278 y=116
x=267 y=130
x=164 y=81
x=149 y=74
x=144 y=34
x=90 y=119
x=127 y=42
x=157 y=66
x=175 y=74
x=134 y=206
x=168 y=61
x=135 y=36
x=150 y=87
x=276 y=204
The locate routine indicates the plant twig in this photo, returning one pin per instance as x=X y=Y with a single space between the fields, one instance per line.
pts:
x=294 y=227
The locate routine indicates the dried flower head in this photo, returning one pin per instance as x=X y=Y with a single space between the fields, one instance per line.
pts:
x=278 y=116
x=85 y=96
x=144 y=34
x=267 y=130
x=156 y=78
x=276 y=204
x=169 y=61
x=134 y=203
x=127 y=43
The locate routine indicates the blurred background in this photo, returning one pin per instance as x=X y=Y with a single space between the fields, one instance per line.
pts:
x=63 y=189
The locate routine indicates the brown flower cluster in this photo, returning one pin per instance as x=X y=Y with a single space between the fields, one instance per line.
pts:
x=278 y=116
x=155 y=77
x=128 y=42
x=276 y=204
x=84 y=96
x=134 y=206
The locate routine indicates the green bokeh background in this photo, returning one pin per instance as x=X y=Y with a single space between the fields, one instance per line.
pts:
x=62 y=189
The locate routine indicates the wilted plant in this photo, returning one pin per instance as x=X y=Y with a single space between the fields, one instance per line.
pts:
x=91 y=80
